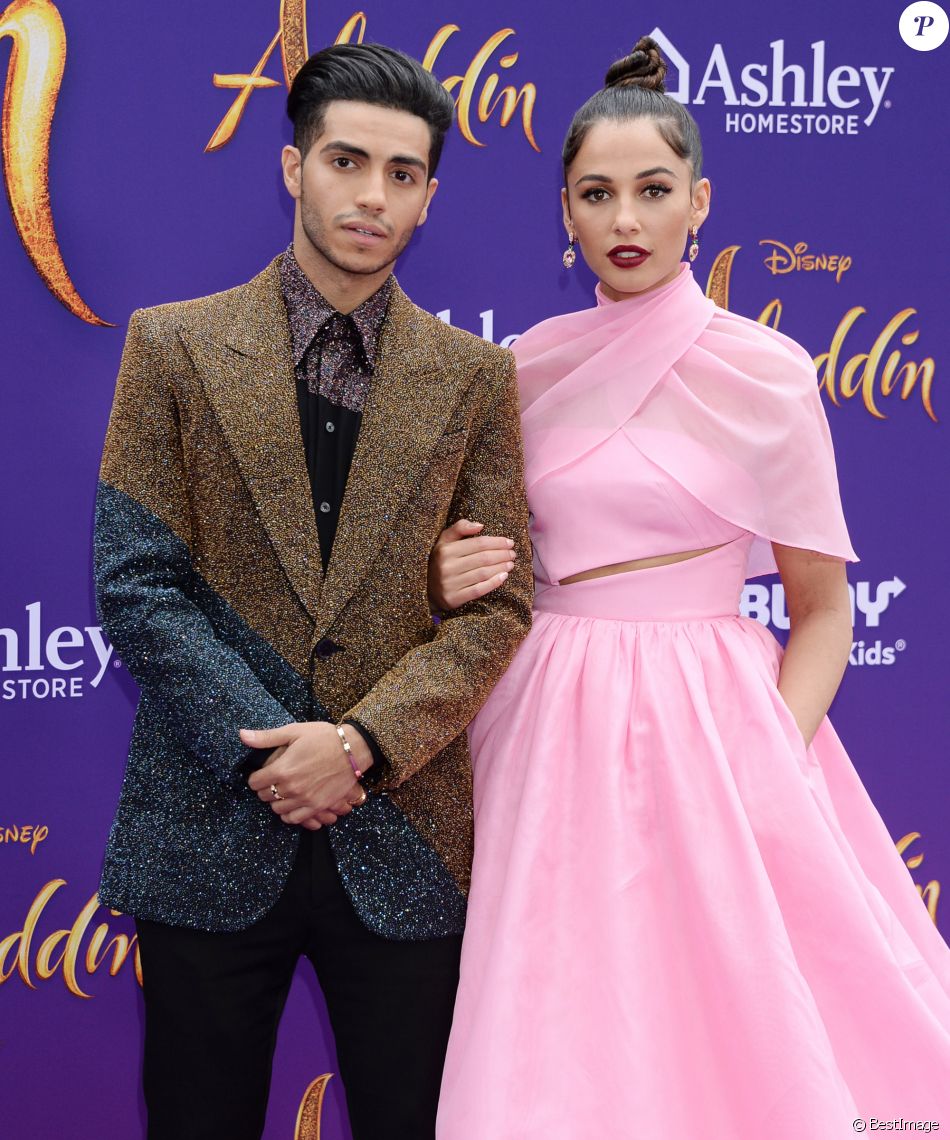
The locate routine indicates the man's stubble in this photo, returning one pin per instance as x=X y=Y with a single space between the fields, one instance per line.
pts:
x=316 y=233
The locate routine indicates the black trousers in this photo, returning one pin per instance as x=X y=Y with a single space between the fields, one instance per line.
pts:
x=213 y=1003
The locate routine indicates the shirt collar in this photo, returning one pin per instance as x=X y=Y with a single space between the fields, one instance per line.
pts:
x=308 y=310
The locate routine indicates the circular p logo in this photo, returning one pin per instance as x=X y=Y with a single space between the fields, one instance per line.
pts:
x=924 y=25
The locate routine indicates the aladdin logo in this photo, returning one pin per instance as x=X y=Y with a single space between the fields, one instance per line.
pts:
x=766 y=604
x=51 y=661
x=477 y=93
x=69 y=952
x=852 y=95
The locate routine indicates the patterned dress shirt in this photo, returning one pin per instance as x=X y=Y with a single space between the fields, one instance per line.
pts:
x=334 y=356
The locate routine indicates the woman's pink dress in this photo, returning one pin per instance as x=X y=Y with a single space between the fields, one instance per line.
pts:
x=683 y=923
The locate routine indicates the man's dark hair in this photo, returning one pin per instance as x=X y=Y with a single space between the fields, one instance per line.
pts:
x=367 y=73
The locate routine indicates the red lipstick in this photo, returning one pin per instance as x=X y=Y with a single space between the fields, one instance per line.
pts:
x=628 y=256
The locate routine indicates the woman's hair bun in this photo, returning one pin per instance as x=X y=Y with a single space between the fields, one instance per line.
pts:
x=643 y=67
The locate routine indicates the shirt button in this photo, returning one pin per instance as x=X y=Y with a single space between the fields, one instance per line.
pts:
x=325 y=508
x=331 y=426
x=325 y=648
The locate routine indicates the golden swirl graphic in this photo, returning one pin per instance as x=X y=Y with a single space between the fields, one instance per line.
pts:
x=311 y=1109
x=720 y=275
x=293 y=35
x=37 y=62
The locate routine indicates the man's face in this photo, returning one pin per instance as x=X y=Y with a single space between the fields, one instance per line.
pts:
x=363 y=186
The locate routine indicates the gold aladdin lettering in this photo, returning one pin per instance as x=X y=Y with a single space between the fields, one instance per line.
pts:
x=478 y=95
x=874 y=375
x=65 y=952
x=35 y=73
x=930 y=893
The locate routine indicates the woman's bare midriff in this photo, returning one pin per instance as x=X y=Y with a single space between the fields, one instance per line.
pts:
x=638 y=564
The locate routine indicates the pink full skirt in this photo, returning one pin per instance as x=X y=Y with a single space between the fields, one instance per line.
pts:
x=683 y=924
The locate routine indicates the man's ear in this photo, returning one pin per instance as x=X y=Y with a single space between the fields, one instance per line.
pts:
x=291 y=162
x=430 y=194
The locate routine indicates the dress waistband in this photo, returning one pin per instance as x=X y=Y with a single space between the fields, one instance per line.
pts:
x=707 y=586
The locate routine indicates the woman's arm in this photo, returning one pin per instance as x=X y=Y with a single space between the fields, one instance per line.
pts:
x=816 y=594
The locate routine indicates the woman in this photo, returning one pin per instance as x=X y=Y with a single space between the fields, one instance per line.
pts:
x=687 y=919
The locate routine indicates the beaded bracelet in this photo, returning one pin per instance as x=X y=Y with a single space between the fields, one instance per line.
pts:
x=349 y=752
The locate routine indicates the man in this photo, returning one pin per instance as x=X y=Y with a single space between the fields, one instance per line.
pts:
x=280 y=461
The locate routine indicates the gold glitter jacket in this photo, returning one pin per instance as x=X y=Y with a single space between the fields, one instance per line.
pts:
x=210 y=586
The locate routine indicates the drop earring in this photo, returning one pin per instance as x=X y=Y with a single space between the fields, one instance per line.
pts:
x=569 y=256
x=694 y=244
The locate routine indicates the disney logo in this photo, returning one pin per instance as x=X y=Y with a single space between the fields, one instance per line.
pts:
x=796 y=258
x=32 y=834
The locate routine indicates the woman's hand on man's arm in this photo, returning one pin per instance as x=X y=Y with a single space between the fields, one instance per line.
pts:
x=465 y=565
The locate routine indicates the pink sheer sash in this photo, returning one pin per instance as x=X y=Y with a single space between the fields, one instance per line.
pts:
x=729 y=408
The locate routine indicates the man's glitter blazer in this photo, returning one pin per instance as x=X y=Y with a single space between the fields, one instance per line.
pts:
x=211 y=587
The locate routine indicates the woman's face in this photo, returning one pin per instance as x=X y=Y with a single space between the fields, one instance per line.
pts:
x=630 y=202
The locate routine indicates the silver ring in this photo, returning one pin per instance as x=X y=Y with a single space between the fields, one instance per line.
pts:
x=275 y=792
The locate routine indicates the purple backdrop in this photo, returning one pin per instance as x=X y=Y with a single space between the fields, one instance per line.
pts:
x=819 y=132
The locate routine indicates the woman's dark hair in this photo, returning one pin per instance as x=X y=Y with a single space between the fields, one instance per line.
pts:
x=367 y=73
x=634 y=89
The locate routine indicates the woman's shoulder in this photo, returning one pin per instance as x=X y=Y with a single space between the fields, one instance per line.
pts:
x=757 y=350
x=756 y=334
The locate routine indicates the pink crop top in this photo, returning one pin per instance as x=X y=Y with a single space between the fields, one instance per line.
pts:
x=613 y=505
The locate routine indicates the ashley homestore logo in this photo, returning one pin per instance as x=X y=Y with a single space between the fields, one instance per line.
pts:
x=37 y=663
x=782 y=92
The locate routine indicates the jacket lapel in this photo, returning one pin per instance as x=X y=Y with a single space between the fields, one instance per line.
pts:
x=412 y=396
x=243 y=358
